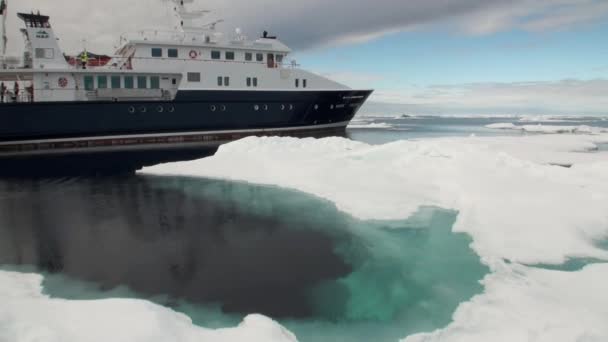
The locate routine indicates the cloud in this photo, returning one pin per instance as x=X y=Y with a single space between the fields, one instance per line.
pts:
x=311 y=23
x=560 y=97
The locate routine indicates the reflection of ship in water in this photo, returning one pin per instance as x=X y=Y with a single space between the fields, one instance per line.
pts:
x=137 y=231
x=193 y=88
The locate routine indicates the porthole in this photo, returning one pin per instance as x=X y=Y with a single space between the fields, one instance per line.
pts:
x=171 y=109
x=282 y=107
x=332 y=107
x=160 y=109
x=213 y=108
x=256 y=108
x=316 y=107
x=290 y=107
x=223 y=108
x=143 y=109
x=131 y=109
x=265 y=107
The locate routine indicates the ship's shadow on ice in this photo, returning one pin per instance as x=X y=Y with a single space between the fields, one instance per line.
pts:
x=240 y=248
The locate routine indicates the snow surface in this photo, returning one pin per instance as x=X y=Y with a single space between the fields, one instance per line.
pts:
x=28 y=315
x=516 y=205
x=530 y=304
x=507 y=196
x=549 y=129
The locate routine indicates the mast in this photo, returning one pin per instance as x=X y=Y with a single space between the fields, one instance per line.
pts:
x=3 y=14
x=188 y=18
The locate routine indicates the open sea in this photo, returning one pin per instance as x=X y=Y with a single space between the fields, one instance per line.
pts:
x=218 y=250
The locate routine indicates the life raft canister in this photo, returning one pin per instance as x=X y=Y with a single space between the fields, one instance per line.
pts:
x=193 y=54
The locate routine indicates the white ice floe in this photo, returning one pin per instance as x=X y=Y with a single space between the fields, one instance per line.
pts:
x=514 y=203
x=549 y=129
x=502 y=125
x=530 y=304
x=26 y=315
x=373 y=125
x=509 y=199
x=554 y=118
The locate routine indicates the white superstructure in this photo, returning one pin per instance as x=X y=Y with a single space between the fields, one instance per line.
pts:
x=209 y=60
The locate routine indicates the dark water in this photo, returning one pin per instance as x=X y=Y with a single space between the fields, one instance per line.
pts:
x=219 y=250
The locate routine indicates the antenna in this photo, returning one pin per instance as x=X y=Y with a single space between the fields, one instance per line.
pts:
x=186 y=16
x=3 y=13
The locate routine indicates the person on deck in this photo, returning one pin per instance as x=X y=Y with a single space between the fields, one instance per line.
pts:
x=84 y=58
x=2 y=92
x=16 y=91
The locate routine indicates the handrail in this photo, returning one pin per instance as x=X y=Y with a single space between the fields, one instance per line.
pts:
x=120 y=62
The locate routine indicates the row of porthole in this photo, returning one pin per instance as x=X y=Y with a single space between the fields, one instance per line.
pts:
x=144 y=109
x=265 y=107
x=213 y=108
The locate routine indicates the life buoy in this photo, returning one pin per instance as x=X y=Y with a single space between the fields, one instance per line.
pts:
x=63 y=82
x=193 y=54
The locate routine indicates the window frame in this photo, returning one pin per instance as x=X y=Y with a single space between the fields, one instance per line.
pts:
x=259 y=57
x=139 y=82
x=104 y=84
x=297 y=83
x=304 y=83
x=220 y=81
x=89 y=82
x=255 y=82
x=248 y=81
x=229 y=55
x=193 y=77
x=154 y=82
x=175 y=55
x=226 y=81
x=113 y=83
x=129 y=82
x=159 y=52
x=248 y=56
x=216 y=54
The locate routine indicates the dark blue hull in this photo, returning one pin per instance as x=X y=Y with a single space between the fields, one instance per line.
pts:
x=191 y=111
x=129 y=135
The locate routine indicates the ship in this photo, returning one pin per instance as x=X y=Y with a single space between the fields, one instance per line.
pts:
x=162 y=93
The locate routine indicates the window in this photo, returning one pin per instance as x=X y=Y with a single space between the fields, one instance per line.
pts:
x=157 y=52
x=89 y=83
x=249 y=81
x=115 y=81
x=129 y=82
x=174 y=81
x=215 y=55
x=279 y=58
x=255 y=81
x=142 y=82
x=304 y=83
x=297 y=82
x=248 y=56
x=44 y=53
x=220 y=81
x=172 y=53
x=194 y=77
x=226 y=81
x=259 y=57
x=102 y=82
x=230 y=55
x=154 y=82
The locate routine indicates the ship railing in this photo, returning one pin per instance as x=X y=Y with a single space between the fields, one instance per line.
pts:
x=127 y=63
x=10 y=97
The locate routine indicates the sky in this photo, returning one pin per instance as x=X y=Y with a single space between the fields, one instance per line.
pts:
x=421 y=56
